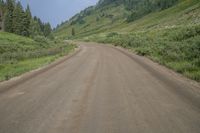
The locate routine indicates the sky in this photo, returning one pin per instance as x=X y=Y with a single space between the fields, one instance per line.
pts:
x=57 y=11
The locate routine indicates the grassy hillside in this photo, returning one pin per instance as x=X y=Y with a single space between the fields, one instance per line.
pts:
x=20 y=54
x=112 y=17
x=170 y=36
x=94 y=20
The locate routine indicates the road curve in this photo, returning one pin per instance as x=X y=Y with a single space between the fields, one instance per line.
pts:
x=102 y=90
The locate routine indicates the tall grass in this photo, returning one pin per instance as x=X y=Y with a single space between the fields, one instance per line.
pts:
x=20 y=54
x=177 y=48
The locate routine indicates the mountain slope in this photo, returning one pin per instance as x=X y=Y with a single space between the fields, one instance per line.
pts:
x=169 y=36
x=113 y=16
x=92 y=19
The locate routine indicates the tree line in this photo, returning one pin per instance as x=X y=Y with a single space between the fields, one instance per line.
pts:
x=139 y=8
x=150 y=5
x=20 y=21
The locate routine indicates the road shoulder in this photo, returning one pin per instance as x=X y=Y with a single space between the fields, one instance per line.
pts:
x=13 y=82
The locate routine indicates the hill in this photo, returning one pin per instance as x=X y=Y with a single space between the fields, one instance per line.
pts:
x=113 y=17
x=20 y=54
x=168 y=33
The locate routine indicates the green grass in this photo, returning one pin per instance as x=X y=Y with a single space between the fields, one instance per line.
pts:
x=8 y=71
x=170 y=37
x=91 y=25
x=186 y=12
x=20 y=54
x=177 y=48
x=12 y=43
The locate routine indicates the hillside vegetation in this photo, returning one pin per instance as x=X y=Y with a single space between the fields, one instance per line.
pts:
x=27 y=42
x=21 y=54
x=15 y=19
x=167 y=31
x=113 y=17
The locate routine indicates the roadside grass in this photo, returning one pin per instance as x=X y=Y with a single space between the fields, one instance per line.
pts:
x=177 y=48
x=170 y=37
x=11 y=70
x=20 y=54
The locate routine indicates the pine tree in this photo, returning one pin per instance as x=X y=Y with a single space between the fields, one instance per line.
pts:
x=28 y=12
x=18 y=14
x=1 y=3
x=2 y=6
x=41 y=24
x=20 y=21
x=27 y=20
x=35 y=29
x=25 y=25
x=47 y=29
x=8 y=22
x=1 y=14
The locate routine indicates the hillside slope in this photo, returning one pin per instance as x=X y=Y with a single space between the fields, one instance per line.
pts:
x=169 y=36
x=112 y=17
x=20 y=54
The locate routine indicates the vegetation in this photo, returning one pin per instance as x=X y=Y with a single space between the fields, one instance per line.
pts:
x=21 y=54
x=167 y=31
x=73 y=32
x=139 y=8
x=31 y=46
x=176 y=48
x=20 y=21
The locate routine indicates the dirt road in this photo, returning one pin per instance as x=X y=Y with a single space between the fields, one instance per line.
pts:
x=102 y=90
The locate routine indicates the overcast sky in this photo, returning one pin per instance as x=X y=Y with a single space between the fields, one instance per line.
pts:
x=56 y=11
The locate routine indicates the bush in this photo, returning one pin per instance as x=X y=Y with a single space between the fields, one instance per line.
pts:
x=177 y=48
x=185 y=33
x=112 y=34
x=41 y=39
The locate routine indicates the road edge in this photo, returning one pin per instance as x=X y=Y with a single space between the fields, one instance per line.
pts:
x=175 y=80
x=15 y=81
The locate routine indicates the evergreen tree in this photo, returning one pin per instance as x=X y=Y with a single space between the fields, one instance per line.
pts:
x=1 y=14
x=139 y=8
x=41 y=24
x=2 y=6
x=25 y=25
x=8 y=22
x=35 y=29
x=18 y=14
x=1 y=3
x=20 y=21
x=47 y=29
x=28 y=12
x=27 y=20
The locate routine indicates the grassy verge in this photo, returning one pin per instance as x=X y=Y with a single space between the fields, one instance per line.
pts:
x=177 y=47
x=19 y=54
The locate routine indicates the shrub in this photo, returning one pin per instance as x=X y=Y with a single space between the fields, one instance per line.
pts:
x=177 y=48
x=112 y=34
x=41 y=39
